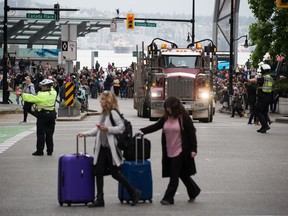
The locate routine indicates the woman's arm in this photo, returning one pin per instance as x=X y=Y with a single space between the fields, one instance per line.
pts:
x=154 y=127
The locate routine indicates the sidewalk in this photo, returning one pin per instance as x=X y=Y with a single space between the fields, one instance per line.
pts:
x=276 y=117
x=17 y=109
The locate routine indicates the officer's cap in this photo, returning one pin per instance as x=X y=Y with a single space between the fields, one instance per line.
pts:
x=46 y=82
x=265 y=67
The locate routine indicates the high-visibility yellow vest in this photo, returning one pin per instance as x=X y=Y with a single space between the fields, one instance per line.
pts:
x=268 y=83
x=44 y=100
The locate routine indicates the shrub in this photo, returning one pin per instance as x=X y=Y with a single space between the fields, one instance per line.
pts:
x=281 y=86
x=76 y=102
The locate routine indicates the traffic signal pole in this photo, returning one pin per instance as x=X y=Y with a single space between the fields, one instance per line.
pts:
x=192 y=21
x=157 y=19
x=5 y=95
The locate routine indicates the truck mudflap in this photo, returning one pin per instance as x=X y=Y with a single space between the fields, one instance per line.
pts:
x=156 y=109
x=200 y=114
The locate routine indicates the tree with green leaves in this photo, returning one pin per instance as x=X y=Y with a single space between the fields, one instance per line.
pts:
x=270 y=32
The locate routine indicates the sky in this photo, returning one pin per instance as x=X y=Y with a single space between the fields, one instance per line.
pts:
x=202 y=7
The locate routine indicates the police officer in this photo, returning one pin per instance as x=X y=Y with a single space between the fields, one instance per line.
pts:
x=45 y=113
x=265 y=83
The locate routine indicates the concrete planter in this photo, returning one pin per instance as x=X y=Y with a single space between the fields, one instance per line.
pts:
x=283 y=106
x=64 y=112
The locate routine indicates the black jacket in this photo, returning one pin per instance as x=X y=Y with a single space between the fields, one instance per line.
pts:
x=189 y=144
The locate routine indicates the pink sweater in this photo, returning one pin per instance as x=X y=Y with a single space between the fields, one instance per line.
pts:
x=173 y=137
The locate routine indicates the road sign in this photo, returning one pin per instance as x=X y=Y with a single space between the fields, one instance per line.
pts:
x=145 y=24
x=69 y=50
x=134 y=53
x=282 y=3
x=40 y=16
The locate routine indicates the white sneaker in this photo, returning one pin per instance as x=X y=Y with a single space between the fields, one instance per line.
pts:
x=22 y=122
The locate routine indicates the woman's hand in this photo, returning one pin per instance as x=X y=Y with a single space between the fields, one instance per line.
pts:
x=80 y=134
x=193 y=154
x=139 y=133
x=102 y=128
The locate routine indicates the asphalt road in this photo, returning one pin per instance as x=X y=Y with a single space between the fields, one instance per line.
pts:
x=240 y=171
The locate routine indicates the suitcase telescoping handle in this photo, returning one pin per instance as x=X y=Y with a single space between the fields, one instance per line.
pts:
x=140 y=136
x=77 y=145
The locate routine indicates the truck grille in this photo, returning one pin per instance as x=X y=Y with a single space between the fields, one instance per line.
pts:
x=180 y=87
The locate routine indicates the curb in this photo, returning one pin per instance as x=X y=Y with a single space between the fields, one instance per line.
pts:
x=80 y=117
x=282 y=119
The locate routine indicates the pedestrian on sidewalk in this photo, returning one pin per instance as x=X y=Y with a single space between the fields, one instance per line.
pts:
x=107 y=157
x=237 y=102
x=179 y=148
x=252 y=93
x=27 y=107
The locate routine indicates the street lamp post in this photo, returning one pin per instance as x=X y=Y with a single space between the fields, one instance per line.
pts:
x=193 y=21
x=232 y=51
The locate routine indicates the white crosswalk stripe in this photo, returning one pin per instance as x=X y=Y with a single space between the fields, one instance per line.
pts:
x=11 y=141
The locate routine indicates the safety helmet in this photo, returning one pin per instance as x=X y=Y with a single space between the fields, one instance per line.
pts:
x=265 y=68
x=46 y=82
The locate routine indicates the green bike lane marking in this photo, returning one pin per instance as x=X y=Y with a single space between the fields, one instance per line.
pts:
x=11 y=134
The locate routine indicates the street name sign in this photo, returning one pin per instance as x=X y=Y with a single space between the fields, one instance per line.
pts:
x=145 y=24
x=40 y=16
x=134 y=53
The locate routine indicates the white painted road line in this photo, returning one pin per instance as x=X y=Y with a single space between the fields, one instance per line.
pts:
x=11 y=141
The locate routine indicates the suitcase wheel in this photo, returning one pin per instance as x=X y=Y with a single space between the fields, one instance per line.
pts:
x=150 y=201
x=61 y=203
x=121 y=201
x=69 y=204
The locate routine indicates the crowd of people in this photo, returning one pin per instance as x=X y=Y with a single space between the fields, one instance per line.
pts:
x=92 y=82
x=97 y=79
x=246 y=93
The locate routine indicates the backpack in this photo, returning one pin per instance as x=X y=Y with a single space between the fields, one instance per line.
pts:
x=125 y=138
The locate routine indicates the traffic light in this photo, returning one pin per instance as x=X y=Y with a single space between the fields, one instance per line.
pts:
x=282 y=3
x=57 y=12
x=130 y=21
x=213 y=49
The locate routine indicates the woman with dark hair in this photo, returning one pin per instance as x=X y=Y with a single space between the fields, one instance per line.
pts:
x=179 y=147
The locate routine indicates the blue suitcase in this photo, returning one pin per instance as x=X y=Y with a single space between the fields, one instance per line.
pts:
x=140 y=175
x=75 y=178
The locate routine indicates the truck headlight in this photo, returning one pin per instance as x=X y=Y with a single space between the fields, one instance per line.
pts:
x=203 y=95
x=156 y=94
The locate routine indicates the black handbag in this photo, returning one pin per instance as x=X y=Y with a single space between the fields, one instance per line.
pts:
x=130 y=152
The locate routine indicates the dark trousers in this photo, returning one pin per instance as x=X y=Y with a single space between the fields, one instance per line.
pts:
x=27 y=108
x=45 y=130
x=252 y=113
x=105 y=162
x=237 y=110
x=262 y=109
x=176 y=172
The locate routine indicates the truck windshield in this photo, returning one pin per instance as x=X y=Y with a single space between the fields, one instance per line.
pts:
x=181 y=61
